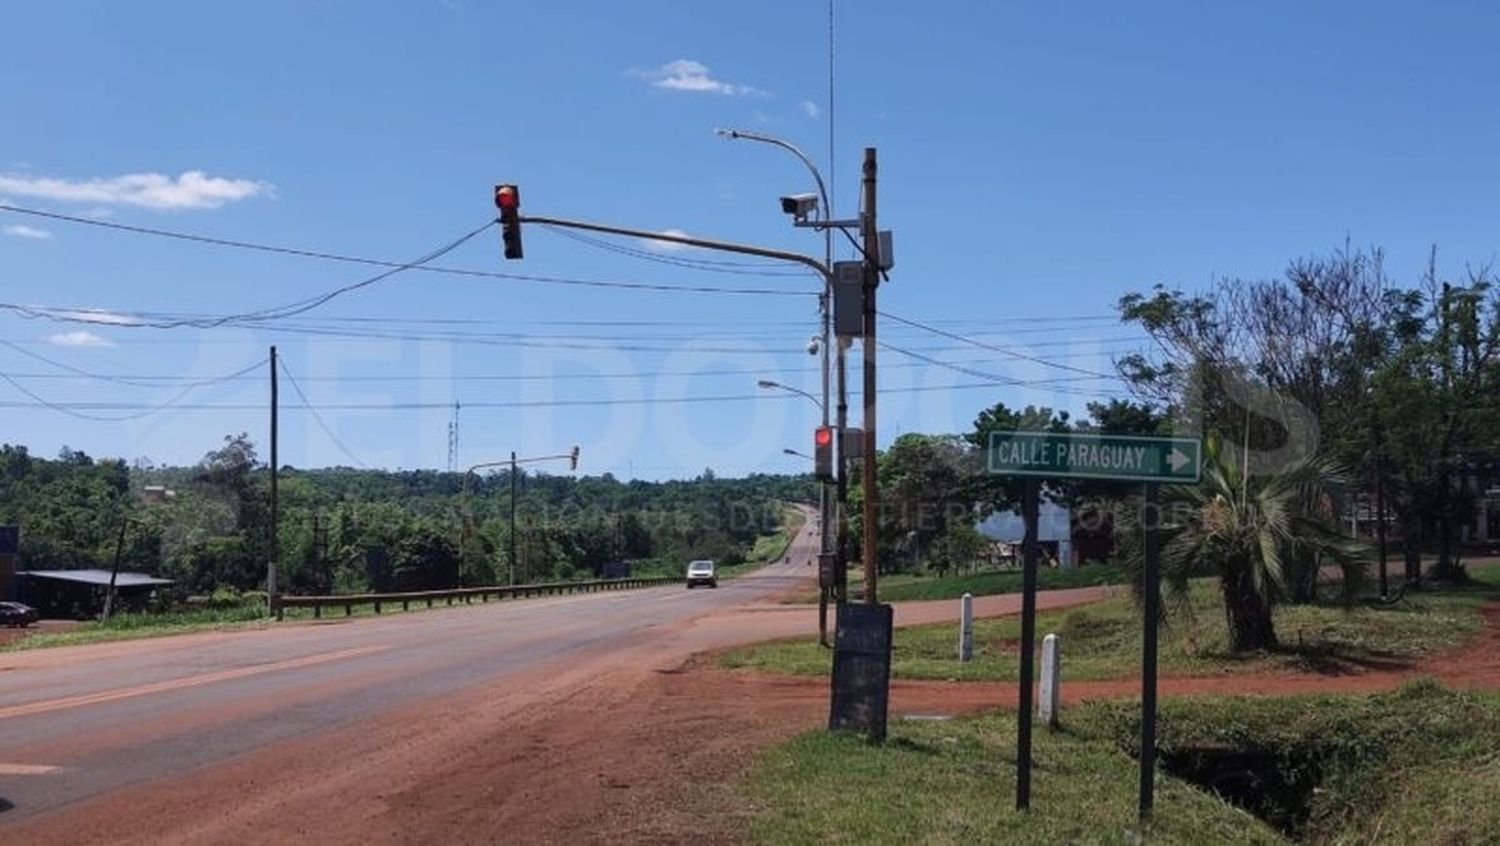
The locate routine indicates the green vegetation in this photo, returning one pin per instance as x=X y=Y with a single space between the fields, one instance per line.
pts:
x=905 y=587
x=1415 y=766
x=1103 y=640
x=355 y=531
x=135 y=626
x=954 y=783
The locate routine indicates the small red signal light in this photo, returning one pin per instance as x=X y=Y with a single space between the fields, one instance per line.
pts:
x=823 y=453
x=505 y=197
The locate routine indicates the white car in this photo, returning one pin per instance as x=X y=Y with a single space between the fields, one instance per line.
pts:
x=702 y=573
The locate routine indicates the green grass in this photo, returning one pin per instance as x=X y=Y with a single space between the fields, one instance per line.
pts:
x=954 y=783
x=904 y=587
x=133 y=626
x=1415 y=766
x=768 y=547
x=1103 y=640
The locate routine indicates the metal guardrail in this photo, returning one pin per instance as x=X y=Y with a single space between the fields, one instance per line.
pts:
x=466 y=595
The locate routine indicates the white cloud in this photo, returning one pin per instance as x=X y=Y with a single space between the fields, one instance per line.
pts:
x=809 y=108
x=79 y=339
x=688 y=75
x=666 y=246
x=21 y=230
x=192 y=189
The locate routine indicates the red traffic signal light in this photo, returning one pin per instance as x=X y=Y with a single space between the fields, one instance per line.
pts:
x=823 y=453
x=508 y=201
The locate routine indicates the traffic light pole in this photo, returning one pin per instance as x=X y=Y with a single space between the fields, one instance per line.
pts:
x=872 y=280
x=514 y=464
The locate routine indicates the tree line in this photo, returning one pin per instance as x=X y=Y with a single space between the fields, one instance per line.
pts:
x=350 y=531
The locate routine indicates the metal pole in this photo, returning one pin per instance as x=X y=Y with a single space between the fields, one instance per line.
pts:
x=841 y=506
x=512 y=518
x=872 y=278
x=1030 y=506
x=275 y=551
x=1150 y=612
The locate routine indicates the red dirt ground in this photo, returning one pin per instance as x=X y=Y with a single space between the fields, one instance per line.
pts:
x=638 y=746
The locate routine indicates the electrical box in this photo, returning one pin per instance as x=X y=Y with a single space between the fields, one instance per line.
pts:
x=849 y=299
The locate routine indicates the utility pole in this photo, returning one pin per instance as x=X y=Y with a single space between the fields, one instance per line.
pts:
x=872 y=280
x=275 y=551
x=512 y=517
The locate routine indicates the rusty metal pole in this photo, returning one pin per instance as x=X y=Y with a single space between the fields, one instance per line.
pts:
x=872 y=280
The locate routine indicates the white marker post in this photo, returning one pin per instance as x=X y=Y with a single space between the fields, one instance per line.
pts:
x=966 y=628
x=1051 y=667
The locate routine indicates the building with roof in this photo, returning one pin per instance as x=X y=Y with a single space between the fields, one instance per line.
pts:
x=79 y=594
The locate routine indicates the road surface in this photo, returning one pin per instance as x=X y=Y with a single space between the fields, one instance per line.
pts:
x=510 y=722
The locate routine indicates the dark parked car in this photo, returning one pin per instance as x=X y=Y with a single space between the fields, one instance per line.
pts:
x=16 y=614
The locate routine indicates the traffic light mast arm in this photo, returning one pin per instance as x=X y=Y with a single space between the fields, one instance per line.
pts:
x=688 y=241
x=568 y=455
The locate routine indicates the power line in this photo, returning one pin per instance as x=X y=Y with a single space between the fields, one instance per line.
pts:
x=744 y=268
x=96 y=318
x=493 y=404
x=348 y=259
x=318 y=418
x=156 y=381
x=982 y=345
x=968 y=371
x=76 y=409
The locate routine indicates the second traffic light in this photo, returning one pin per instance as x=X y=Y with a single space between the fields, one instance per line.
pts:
x=508 y=201
x=823 y=453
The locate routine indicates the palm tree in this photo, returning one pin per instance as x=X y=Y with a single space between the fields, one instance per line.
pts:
x=1253 y=533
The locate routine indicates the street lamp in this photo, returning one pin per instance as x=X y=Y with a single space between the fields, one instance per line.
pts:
x=790 y=451
x=826 y=502
x=768 y=385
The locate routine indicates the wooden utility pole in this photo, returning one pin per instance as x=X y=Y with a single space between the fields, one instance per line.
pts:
x=871 y=238
x=275 y=550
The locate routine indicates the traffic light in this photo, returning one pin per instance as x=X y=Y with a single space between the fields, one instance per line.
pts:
x=508 y=201
x=573 y=459
x=823 y=453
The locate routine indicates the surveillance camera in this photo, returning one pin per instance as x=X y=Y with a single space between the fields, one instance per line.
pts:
x=813 y=345
x=799 y=206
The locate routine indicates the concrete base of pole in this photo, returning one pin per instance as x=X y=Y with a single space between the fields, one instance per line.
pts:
x=1051 y=694
x=966 y=628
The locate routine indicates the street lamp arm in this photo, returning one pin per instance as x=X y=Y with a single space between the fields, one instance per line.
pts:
x=769 y=385
x=790 y=148
x=705 y=243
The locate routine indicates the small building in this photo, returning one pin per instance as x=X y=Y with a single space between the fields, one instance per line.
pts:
x=80 y=594
x=1054 y=532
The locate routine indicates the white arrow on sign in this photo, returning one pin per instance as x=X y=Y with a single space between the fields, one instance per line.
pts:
x=1177 y=459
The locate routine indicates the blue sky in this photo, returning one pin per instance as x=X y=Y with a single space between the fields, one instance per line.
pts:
x=1037 y=161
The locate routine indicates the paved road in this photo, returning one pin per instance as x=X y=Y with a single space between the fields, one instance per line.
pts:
x=84 y=723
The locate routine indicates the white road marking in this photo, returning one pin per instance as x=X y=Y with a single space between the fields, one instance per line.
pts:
x=26 y=769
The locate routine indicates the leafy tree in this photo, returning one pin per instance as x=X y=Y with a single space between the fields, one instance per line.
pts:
x=1250 y=529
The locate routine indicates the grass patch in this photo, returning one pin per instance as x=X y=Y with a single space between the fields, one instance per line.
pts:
x=905 y=587
x=1415 y=766
x=769 y=547
x=1103 y=640
x=954 y=783
x=134 y=626
x=1419 y=765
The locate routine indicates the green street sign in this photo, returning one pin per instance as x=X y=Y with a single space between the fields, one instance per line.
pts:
x=1087 y=456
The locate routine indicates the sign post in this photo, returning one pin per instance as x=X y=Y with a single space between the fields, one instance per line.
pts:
x=1150 y=611
x=1029 y=508
x=1056 y=455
